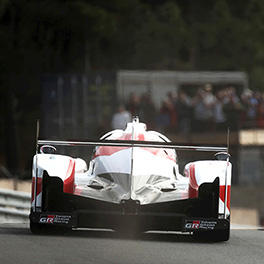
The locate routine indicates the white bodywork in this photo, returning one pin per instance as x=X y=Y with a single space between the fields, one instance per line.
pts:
x=207 y=171
x=146 y=174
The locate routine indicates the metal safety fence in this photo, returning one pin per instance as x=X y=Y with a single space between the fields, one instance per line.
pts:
x=14 y=206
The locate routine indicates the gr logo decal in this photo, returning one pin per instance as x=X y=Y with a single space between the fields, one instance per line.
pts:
x=47 y=219
x=200 y=224
x=193 y=225
x=55 y=219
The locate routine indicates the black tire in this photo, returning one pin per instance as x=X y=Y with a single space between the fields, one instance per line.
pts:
x=213 y=236
x=36 y=228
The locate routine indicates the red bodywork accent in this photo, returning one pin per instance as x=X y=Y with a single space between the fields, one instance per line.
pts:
x=68 y=186
x=193 y=186
x=50 y=219
x=77 y=191
x=107 y=151
x=222 y=194
x=39 y=187
x=196 y=224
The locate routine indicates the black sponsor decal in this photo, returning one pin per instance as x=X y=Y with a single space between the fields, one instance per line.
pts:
x=191 y=225
x=55 y=219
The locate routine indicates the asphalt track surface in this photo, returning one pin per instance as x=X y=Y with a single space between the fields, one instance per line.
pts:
x=19 y=246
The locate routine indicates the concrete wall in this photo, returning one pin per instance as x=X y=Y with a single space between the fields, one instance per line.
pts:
x=18 y=185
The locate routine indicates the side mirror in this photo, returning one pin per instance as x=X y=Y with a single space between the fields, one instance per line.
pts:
x=47 y=149
x=222 y=156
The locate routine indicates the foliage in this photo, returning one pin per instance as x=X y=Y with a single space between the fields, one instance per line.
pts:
x=77 y=36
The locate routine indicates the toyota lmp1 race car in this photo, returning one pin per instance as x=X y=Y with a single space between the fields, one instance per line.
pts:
x=132 y=183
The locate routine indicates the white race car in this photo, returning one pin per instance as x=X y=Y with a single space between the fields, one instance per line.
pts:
x=132 y=183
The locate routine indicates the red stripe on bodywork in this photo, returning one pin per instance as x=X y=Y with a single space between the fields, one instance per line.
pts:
x=39 y=187
x=222 y=194
x=68 y=186
x=161 y=153
x=193 y=181
x=107 y=151
x=193 y=186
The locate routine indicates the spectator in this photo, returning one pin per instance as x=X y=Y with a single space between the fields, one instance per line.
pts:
x=184 y=111
x=232 y=108
x=204 y=113
x=121 y=118
x=147 y=110
x=163 y=119
x=219 y=115
x=133 y=105
x=260 y=112
x=250 y=103
x=203 y=104
x=171 y=102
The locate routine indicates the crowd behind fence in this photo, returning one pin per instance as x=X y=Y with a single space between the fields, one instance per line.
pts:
x=208 y=110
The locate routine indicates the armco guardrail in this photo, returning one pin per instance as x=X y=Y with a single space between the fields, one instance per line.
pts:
x=14 y=206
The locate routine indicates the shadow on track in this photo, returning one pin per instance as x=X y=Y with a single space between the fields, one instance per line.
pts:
x=164 y=236
x=104 y=234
